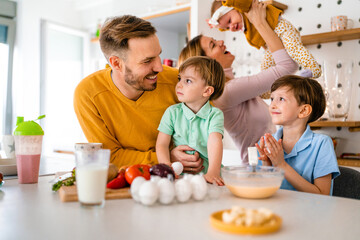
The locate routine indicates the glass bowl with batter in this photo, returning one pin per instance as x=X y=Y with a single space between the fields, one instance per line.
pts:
x=248 y=182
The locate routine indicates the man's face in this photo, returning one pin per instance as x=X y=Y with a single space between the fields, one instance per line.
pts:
x=143 y=63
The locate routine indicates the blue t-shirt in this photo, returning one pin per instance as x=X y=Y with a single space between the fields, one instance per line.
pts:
x=313 y=156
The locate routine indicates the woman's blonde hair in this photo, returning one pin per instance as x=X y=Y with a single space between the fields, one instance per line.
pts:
x=208 y=69
x=192 y=48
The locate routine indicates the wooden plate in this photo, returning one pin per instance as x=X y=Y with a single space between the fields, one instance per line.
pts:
x=69 y=193
x=217 y=223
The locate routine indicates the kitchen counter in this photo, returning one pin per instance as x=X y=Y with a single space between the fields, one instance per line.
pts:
x=33 y=211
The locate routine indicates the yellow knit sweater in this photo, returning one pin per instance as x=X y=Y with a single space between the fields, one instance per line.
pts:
x=252 y=35
x=128 y=128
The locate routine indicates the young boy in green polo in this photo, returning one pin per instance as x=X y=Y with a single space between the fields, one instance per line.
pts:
x=194 y=122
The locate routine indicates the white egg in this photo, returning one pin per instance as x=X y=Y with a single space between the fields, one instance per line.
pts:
x=182 y=190
x=166 y=191
x=188 y=177
x=155 y=178
x=198 y=187
x=135 y=186
x=148 y=193
x=178 y=167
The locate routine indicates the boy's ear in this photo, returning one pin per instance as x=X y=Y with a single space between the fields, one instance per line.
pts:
x=116 y=63
x=208 y=91
x=305 y=111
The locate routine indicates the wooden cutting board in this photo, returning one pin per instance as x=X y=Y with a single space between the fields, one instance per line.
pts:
x=69 y=193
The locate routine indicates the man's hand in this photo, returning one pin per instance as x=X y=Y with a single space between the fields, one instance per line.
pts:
x=192 y=163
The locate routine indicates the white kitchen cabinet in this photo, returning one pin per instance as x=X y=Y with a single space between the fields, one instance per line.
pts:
x=172 y=29
x=175 y=25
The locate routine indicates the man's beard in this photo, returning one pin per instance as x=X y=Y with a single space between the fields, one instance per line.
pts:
x=136 y=82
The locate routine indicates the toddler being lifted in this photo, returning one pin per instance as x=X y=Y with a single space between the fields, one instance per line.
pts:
x=232 y=15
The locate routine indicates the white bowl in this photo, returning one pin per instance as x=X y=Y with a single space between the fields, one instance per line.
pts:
x=8 y=166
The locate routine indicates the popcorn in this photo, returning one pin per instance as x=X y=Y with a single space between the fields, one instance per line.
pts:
x=248 y=217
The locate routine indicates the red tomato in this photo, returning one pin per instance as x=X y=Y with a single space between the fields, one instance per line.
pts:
x=137 y=170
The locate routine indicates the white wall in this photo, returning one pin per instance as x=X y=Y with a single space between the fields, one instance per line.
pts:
x=27 y=49
x=312 y=19
x=93 y=10
x=168 y=42
x=79 y=14
x=84 y=14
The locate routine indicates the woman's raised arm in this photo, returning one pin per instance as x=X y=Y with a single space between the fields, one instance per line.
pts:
x=257 y=16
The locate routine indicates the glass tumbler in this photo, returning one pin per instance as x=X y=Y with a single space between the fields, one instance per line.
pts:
x=337 y=80
x=91 y=176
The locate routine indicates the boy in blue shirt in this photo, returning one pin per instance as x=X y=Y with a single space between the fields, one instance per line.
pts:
x=307 y=158
x=194 y=122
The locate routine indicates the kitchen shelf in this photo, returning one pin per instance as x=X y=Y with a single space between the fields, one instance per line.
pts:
x=166 y=12
x=348 y=162
x=277 y=4
x=174 y=11
x=354 y=126
x=349 y=34
x=184 y=8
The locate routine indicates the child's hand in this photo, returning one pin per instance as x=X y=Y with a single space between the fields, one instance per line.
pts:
x=211 y=178
x=263 y=157
x=274 y=150
x=257 y=13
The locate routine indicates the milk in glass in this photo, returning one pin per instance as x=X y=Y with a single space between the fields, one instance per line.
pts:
x=91 y=183
x=91 y=176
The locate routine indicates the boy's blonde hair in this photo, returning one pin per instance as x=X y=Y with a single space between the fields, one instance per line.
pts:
x=209 y=70
x=306 y=91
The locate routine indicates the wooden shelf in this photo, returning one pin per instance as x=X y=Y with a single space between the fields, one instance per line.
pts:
x=348 y=162
x=354 y=126
x=162 y=13
x=177 y=9
x=277 y=4
x=336 y=36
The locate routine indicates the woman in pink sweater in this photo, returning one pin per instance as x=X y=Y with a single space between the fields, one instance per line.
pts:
x=246 y=116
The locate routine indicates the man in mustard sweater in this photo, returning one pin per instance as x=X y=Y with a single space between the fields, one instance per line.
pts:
x=121 y=106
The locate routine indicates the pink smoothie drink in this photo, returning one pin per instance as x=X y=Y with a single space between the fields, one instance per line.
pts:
x=28 y=168
x=28 y=137
x=28 y=152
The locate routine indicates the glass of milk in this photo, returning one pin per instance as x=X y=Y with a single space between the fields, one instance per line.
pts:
x=91 y=176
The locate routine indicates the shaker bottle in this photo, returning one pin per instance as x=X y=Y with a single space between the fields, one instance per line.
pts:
x=28 y=142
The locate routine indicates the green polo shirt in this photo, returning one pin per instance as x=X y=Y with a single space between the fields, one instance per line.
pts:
x=193 y=130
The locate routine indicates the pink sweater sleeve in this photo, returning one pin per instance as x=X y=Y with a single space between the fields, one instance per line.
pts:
x=242 y=89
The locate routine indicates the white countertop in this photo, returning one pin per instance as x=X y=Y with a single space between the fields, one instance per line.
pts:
x=33 y=211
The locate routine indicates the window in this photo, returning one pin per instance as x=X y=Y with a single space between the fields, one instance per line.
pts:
x=7 y=38
x=63 y=63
